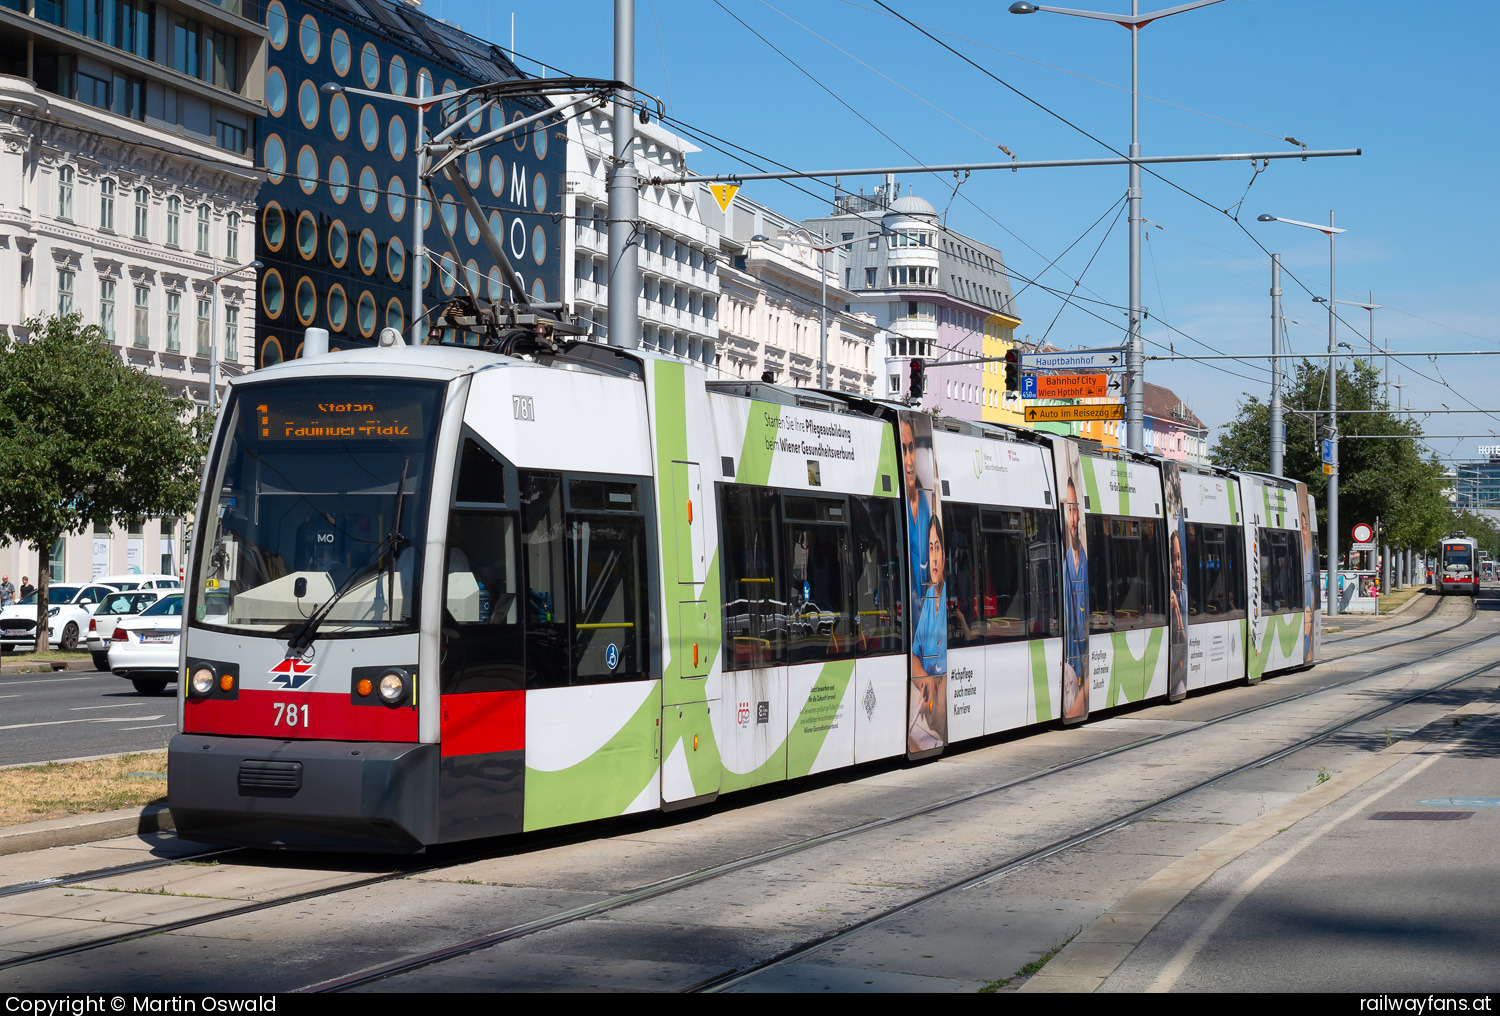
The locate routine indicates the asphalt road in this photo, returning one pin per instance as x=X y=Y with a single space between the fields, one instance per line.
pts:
x=76 y=714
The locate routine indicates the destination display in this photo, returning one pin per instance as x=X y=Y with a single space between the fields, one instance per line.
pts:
x=1071 y=414
x=336 y=420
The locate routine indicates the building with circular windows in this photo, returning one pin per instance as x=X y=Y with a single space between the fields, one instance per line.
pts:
x=341 y=211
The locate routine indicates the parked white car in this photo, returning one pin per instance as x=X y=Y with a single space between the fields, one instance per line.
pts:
x=68 y=609
x=115 y=607
x=127 y=582
x=143 y=648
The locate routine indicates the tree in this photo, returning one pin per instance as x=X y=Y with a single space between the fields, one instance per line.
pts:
x=1384 y=478
x=85 y=438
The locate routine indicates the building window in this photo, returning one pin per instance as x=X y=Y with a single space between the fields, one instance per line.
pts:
x=174 y=221
x=142 y=212
x=231 y=333
x=107 y=204
x=65 y=192
x=230 y=137
x=225 y=60
x=64 y=292
x=232 y=238
x=202 y=229
x=107 y=308
x=174 y=322
x=205 y=313
x=187 y=44
x=143 y=315
x=869 y=278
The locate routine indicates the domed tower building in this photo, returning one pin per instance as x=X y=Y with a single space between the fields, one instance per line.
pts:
x=937 y=294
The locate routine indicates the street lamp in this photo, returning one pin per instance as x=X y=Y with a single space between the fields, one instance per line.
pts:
x=213 y=331
x=1371 y=306
x=1333 y=409
x=1135 y=416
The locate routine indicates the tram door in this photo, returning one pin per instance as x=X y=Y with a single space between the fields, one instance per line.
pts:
x=687 y=721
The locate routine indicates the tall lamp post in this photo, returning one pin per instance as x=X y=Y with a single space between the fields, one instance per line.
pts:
x=1278 y=436
x=1329 y=231
x=1135 y=354
x=1371 y=306
x=213 y=332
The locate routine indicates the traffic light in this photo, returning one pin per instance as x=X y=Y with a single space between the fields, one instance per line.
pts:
x=918 y=383
x=1012 y=371
x=1319 y=432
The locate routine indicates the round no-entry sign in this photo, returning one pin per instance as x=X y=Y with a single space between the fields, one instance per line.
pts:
x=1363 y=533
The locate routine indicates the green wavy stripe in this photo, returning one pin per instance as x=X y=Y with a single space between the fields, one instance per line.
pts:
x=603 y=784
x=1129 y=676
x=811 y=725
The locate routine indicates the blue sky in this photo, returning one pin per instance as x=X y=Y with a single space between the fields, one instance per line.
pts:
x=1407 y=85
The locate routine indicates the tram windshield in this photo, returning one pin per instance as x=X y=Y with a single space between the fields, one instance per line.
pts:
x=1458 y=556
x=319 y=494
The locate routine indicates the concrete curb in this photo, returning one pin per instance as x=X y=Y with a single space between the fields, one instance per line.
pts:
x=76 y=829
x=25 y=666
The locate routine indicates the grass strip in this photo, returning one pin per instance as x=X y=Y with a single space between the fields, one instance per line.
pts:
x=59 y=789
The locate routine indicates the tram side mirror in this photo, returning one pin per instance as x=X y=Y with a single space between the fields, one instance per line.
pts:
x=299 y=588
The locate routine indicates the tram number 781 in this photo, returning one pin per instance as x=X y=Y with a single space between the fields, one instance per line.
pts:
x=287 y=714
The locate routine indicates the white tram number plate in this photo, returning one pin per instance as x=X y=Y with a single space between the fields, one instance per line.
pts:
x=291 y=714
x=521 y=404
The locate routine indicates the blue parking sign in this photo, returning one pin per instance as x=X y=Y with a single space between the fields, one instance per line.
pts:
x=1028 y=386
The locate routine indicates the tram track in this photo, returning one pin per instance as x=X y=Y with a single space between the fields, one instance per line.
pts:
x=731 y=978
x=699 y=878
x=708 y=874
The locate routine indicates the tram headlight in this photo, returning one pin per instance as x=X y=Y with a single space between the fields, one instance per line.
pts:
x=392 y=687
x=202 y=681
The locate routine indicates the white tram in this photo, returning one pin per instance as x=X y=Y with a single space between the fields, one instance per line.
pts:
x=1458 y=565
x=438 y=593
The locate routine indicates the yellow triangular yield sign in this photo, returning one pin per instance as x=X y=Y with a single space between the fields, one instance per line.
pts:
x=724 y=193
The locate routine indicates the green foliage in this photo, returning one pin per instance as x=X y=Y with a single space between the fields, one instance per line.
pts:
x=86 y=438
x=1388 y=478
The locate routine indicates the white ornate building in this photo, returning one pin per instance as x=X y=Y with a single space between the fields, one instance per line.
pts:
x=126 y=189
x=679 y=287
x=773 y=304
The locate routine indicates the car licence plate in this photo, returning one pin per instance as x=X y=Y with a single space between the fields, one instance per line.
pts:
x=158 y=637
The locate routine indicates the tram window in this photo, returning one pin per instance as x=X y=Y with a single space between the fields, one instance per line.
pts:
x=481 y=572
x=601 y=496
x=1005 y=602
x=1044 y=572
x=820 y=625
x=607 y=554
x=481 y=477
x=755 y=615
x=877 y=574
x=1101 y=608
x=545 y=607
x=962 y=574
x=1281 y=570
x=1153 y=573
x=1212 y=573
x=1127 y=572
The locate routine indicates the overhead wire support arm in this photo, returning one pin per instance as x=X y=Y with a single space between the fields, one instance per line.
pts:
x=1145 y=160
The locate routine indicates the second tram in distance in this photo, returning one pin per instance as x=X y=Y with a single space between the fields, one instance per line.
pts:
x=1458 y=565
x=439 y=594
